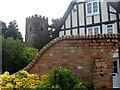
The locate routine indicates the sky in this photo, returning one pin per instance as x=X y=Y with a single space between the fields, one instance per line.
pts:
x=20 y=9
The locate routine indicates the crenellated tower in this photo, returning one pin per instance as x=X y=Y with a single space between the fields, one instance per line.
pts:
x=35 y=26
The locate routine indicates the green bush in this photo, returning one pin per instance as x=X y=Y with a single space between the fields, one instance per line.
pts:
x=61 y=79
x=15 y=52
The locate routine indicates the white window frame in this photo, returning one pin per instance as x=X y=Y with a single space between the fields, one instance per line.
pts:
x=110 y=28
x=92 y=10
x=93 y=28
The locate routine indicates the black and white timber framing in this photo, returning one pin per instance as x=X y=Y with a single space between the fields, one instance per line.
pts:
x=75 y=21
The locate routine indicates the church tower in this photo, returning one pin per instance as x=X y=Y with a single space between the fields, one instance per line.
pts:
x=35 y=26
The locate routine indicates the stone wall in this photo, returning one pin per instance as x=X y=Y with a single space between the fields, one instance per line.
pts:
x=35 y=26
x=89 y=56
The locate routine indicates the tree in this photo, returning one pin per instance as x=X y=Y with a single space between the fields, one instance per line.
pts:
x=43 y=39
x=4 y=28
x=54 y=25
x=15 y=55
x=12 y=31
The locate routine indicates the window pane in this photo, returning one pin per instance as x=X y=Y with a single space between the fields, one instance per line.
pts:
x=95 y=7
x=109 y=29
x=115 y=66
x=90 y=31
x=114 y=63
x=89 y=8
x=96 y=30
x=115 y=70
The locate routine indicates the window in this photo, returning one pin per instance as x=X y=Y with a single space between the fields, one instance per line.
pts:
x=115 y=67
x=93 y=30
x=96 y=30
x=95 y=7
x=92 y=7
x=42 y=29
x=110 y=29
x=30 y=29
x=90 y=31
x=89 y=8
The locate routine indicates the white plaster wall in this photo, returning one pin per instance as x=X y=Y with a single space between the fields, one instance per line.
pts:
x=61 y=33
x=112 y=17
x=104 y=11
x=74 y=16
x=67 y=22
x=81 y=14
x=115 y=27
x=68 y=32
x=82 y=31
x=96 y=18
x=77 y=1
x=88 y=20
x=75 y=32
x=104 y=31
x=112 y=9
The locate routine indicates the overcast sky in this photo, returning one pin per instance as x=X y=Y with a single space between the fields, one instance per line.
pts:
x=20 y=9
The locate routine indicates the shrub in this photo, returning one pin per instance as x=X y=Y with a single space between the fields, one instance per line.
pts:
x=61 y=79
x=21 y=80
x=15 y=52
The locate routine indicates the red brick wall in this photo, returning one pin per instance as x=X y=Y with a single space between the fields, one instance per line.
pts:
x=90 y=57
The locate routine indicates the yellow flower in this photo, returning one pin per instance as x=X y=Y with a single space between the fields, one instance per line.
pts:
x=9 y=85
x=19 y=85
x=21 y=80
x=6 y=73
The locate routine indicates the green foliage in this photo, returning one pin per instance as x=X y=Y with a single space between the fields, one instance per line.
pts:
x=15 y=55
x=53 y=26
x=28 y=54
x=43 y=39
x=11 y=30
x=61 y=79
x=55 y=23
x=58 y=79
x=4 y=28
